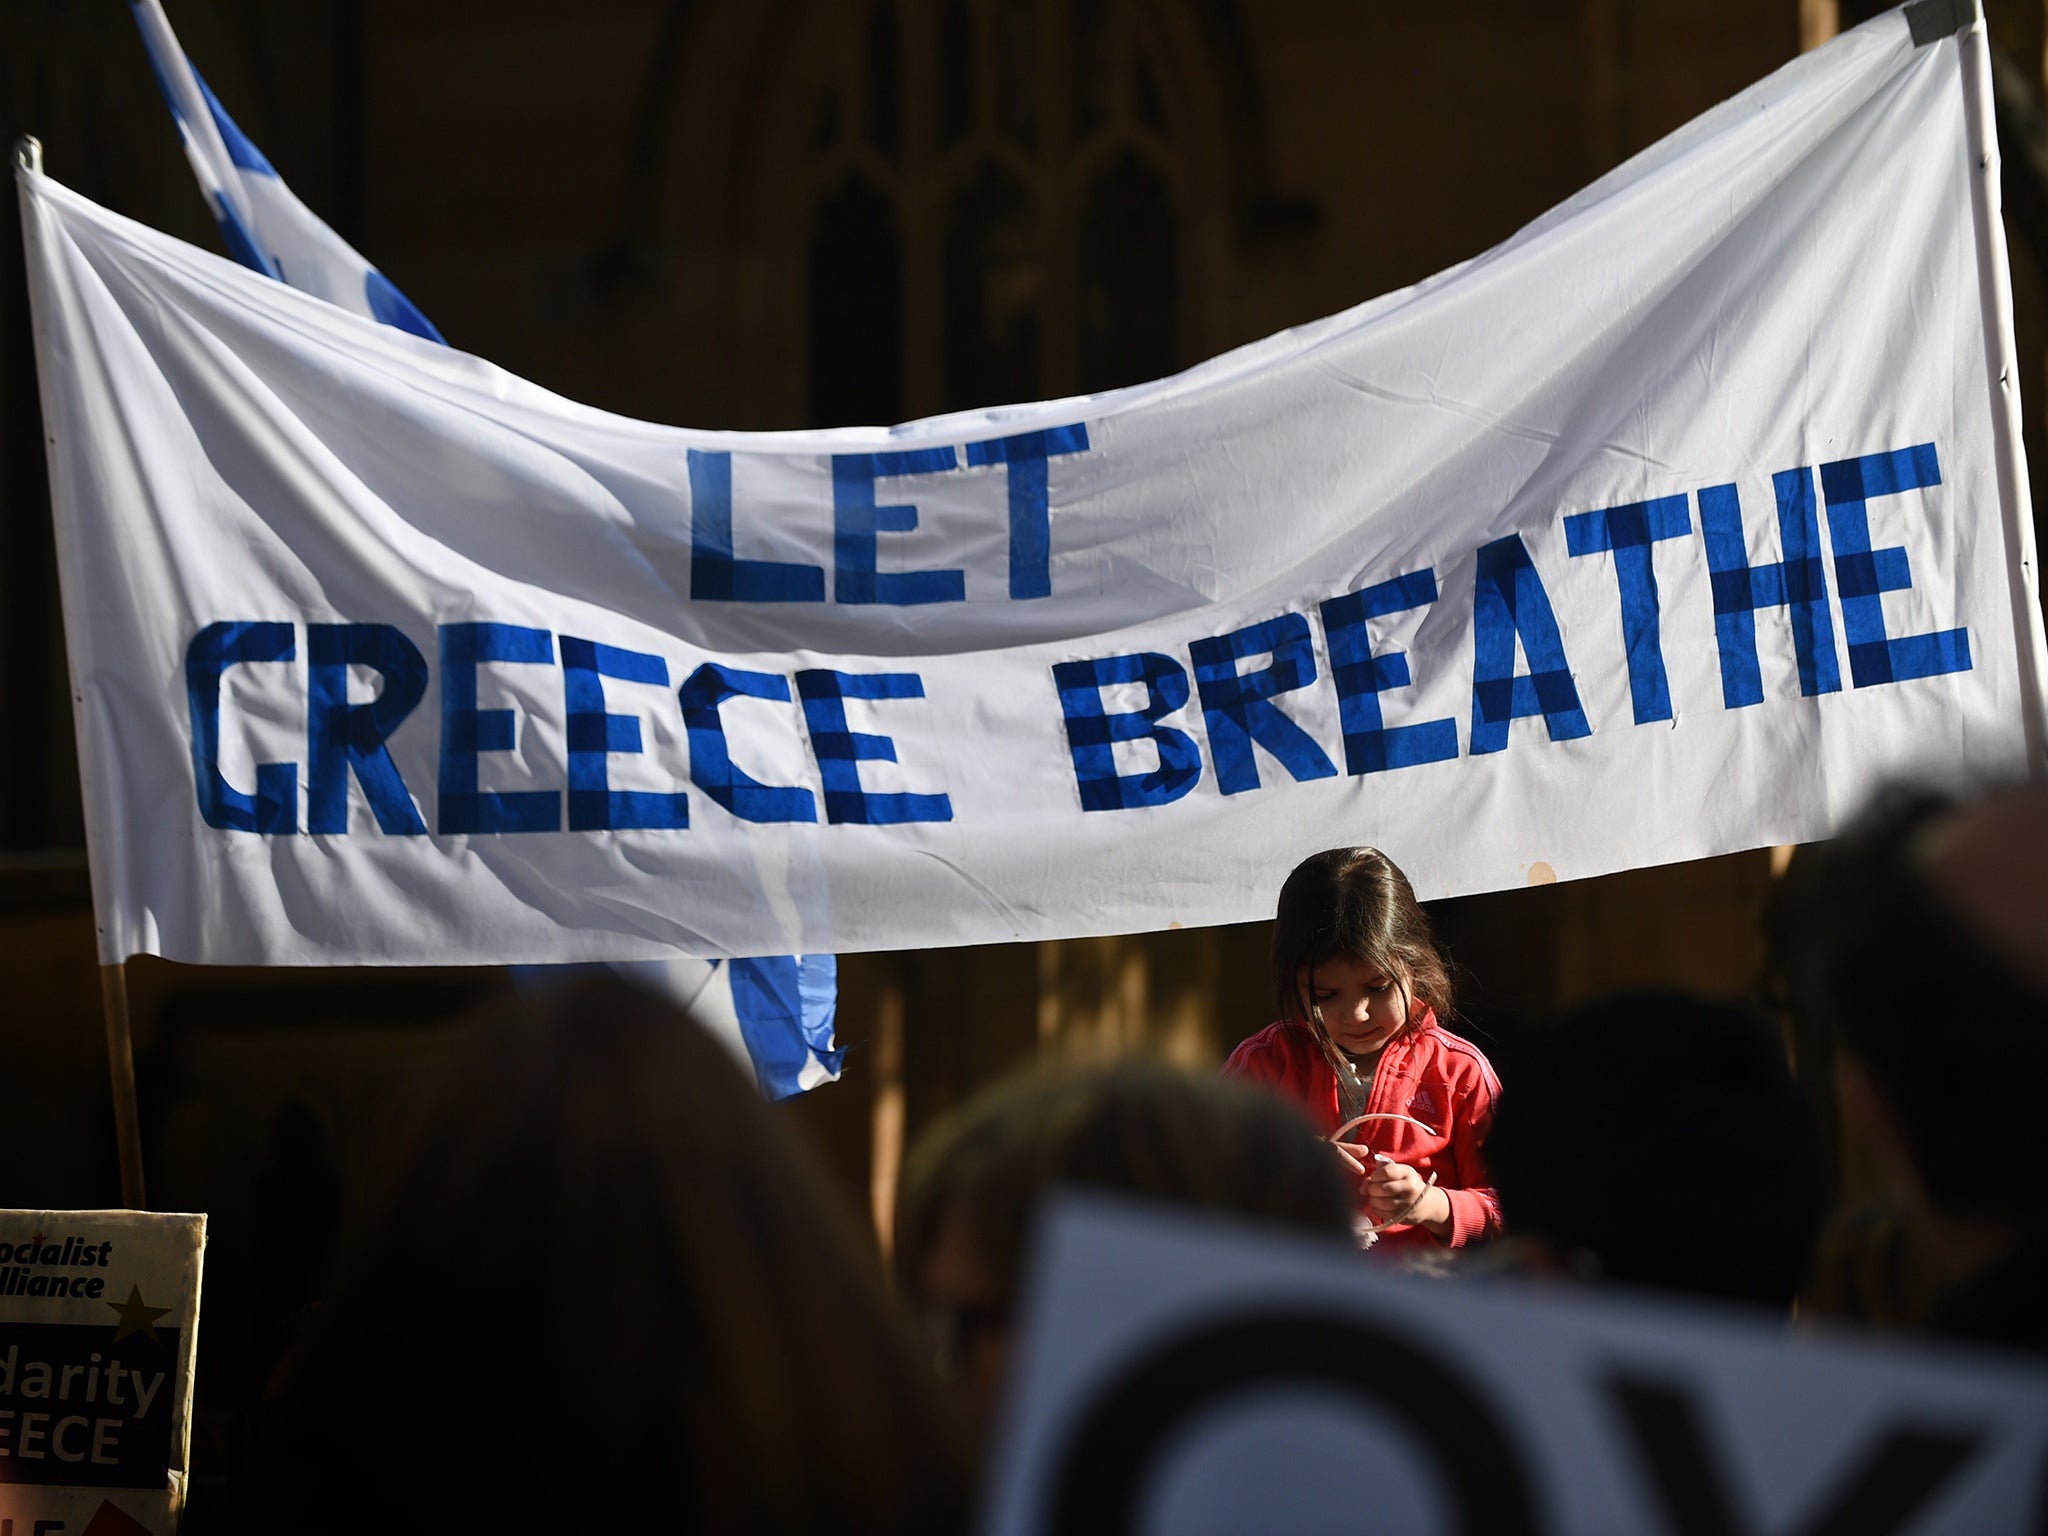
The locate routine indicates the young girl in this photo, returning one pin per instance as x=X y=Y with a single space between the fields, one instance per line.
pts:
x=1360 y=986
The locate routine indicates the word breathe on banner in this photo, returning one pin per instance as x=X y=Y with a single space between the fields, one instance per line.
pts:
x=384 y=656
x=1511 y=608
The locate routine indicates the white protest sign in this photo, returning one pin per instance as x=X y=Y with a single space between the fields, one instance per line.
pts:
x=99 y=1329
x=1195 y=1376
x=1670 y=527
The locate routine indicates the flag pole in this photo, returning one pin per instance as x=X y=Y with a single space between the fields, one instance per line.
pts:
x=1995 y=285
x=28 y=153
x=121 y=1069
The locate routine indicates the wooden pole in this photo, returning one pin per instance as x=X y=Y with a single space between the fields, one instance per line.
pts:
x=121 y=1069
x=885 y=1148
x=28 y=153
x=1819 y=20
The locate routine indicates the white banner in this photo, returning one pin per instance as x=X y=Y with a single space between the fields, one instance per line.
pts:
x=1668 y=528
x=1191 y=1375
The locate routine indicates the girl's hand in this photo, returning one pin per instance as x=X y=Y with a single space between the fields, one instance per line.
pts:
x=1396 y=1192
x=1390 y=1189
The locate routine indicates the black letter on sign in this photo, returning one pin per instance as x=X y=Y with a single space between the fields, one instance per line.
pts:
x=1887 y=1488
x=1117 y=1439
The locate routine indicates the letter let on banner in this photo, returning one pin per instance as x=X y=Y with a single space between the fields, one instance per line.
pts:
x=1658 y=531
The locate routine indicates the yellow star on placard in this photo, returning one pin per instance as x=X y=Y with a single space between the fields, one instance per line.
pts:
x=136 y=1315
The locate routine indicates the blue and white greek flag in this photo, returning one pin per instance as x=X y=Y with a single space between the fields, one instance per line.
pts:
x=265 y=226
x=776 y=1011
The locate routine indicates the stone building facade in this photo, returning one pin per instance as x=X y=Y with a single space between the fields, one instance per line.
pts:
x=777 y=213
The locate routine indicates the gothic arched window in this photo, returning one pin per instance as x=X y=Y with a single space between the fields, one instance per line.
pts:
x=1002 y=200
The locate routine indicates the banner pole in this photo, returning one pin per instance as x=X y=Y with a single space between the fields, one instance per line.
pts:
x=121 y=1070
x=1819 y=21
x=885 y=1121
x=28 y=153
x=1995 y=284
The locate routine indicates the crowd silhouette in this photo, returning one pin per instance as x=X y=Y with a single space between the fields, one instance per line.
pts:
x=604 y=1287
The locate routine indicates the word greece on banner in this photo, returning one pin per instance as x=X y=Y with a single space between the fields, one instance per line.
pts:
x=99 y=1314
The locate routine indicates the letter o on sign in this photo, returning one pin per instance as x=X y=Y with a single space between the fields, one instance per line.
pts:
x=1118 y=1439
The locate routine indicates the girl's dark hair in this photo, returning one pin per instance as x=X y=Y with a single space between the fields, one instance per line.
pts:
x=1355 y=904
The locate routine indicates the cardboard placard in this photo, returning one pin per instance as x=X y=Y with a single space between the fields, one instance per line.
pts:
x=99 y=1327
x=1196 y=1376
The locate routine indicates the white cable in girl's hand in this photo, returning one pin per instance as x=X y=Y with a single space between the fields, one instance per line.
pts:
x=1356 y=1121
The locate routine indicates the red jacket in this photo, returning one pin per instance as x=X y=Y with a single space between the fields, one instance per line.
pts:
x=1426 y=1072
